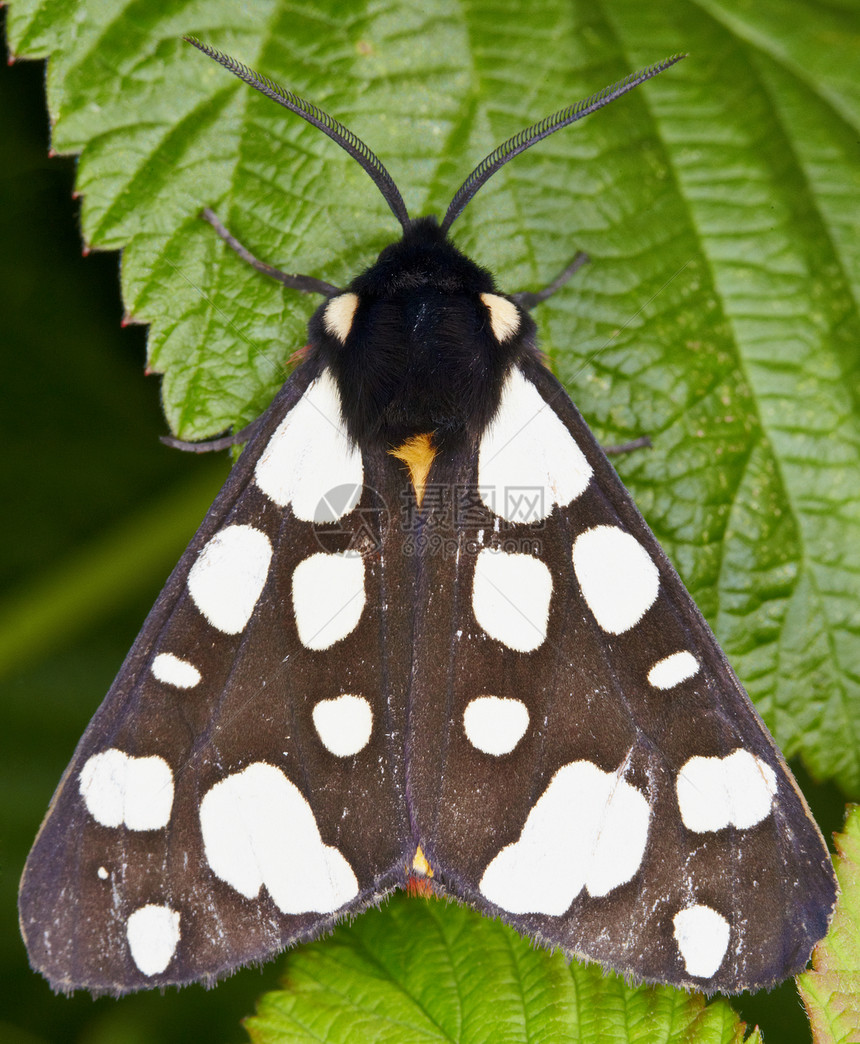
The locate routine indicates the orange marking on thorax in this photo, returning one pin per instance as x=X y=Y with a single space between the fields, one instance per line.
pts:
x=417 y=453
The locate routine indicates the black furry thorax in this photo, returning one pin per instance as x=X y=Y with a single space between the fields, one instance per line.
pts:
x=420 y=355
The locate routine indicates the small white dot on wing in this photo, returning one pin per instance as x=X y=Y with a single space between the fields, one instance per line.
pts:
x=153 y=935
x=617 y=576
x=328 y=597
x=702 y=936
x=715 y=793
x=510 y=598
x=119 y=789
x=495 y=725
x=229 y=575
x=672 y=670
x=171 y=670
x=343 y=724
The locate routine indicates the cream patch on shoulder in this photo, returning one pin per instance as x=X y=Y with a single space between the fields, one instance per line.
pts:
x=338 y=315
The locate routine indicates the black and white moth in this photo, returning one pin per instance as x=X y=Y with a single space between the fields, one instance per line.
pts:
x=423 y=632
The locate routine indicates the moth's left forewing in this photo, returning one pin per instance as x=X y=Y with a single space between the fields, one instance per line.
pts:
x=241 y=786
x=584 y=761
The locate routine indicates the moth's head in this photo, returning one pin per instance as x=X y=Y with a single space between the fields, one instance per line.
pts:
x=423 y=259
x=422 y=303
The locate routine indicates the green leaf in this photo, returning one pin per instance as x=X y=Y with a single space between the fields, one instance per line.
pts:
x=419 y=970
x=719 y=313
x=831 y=991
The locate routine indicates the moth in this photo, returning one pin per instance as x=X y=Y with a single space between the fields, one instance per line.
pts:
x=423 y=634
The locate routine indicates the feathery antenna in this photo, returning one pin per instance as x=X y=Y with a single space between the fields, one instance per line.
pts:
x=344 y=137
x=371 y=163
x=549 y=125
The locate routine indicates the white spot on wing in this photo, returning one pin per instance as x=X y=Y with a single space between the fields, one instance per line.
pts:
x=171 y=670
x=528 y=460
x=258 y=830
x=703 y=938
x=504 y=316
x=672 y=670
x=310 y=454
x=495 y=725
x=344 y=724
x=338 y=315
x=103 y=874
x=328 y=597
x=229 y=576
x=587 y=830
x=618 y=578
x=153 y=934
x=714 y=793
x=118 y=788
x=510 y=598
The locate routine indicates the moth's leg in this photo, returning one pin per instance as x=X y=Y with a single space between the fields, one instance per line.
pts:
x=307 y=284
x=527 y=299
x=214 y=445
x=643 y=442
